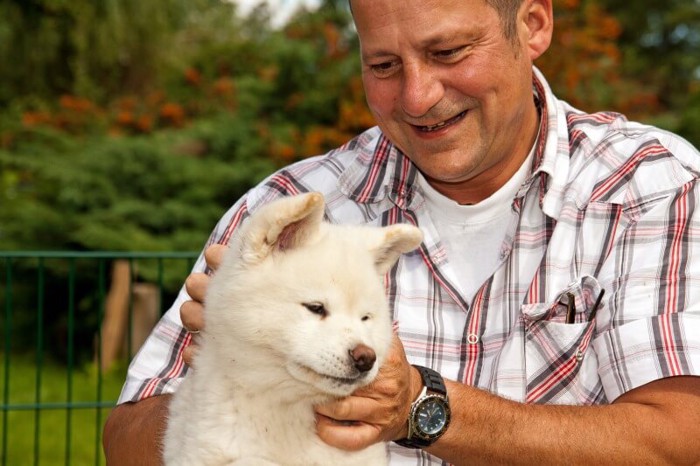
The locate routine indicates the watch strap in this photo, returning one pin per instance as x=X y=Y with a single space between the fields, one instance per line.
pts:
x=432 y=380
x=415 y=442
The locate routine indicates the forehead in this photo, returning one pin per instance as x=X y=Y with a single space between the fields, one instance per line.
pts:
x=385 y=23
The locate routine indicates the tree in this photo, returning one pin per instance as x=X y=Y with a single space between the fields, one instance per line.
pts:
x=639 y=58
x=88 y=48
x=660 y=40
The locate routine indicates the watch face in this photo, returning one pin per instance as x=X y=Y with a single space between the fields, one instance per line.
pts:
x=432 y=416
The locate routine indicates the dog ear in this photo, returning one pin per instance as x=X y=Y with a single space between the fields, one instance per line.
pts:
x=395 y=240
x=281 y=225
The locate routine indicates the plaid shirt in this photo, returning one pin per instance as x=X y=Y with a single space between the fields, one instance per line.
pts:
x=609 y=205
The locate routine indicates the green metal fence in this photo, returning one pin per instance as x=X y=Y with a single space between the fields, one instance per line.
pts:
x=70 y=324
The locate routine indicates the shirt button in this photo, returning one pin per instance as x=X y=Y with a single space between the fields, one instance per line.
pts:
x=472 y=339
x=579 y=355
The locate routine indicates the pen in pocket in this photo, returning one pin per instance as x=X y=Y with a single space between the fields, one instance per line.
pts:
x=570 y=308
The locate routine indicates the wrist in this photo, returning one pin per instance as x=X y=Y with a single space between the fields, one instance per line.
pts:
x=429 y=415
x=415 y=387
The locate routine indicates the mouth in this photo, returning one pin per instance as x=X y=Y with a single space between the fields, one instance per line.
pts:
x=341 y=380
x=442 y=124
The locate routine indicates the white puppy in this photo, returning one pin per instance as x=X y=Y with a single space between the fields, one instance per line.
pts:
x=296 y=315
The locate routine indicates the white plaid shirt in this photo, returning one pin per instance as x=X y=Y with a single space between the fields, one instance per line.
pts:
x=609 y=205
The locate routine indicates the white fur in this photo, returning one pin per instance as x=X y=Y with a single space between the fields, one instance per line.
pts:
x=265 y=359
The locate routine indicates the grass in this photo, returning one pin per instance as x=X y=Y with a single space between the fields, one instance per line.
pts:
x=54 y=416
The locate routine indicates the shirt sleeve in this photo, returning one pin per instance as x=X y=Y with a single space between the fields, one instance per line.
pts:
x=640 y=352
x=158 y=367
x=654 y=326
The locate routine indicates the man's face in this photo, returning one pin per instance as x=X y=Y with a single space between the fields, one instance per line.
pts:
x=449 y=89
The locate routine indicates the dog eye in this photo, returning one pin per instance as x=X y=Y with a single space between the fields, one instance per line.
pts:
x=316 y=308
x=366 y=317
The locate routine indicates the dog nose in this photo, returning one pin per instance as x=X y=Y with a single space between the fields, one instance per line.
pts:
x=363 y=357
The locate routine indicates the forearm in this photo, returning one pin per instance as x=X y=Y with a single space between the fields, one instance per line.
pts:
x=133 y=432
x=486 y=429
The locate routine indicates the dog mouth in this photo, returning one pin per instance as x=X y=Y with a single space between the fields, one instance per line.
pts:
x=312 y=374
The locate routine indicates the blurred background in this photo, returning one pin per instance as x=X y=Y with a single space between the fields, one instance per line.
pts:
x=132 y=125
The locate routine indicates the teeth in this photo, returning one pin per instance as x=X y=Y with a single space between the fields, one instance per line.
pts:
x=442 y=123
x=439 y=125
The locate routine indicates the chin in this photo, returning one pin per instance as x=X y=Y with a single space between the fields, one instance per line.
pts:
x=329 y=385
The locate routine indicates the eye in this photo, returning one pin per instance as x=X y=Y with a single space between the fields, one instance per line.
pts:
x=316 y=308
x=384 y=69
x=449 y=55
x=366 y=317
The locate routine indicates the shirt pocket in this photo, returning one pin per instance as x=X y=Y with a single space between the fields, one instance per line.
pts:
x=561 y=366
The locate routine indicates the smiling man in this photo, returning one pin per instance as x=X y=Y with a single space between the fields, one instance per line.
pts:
x=552 y=314
x=446 y=85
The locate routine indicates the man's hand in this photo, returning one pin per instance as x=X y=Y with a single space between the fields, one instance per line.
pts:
x=192 y=312
x=375 y=413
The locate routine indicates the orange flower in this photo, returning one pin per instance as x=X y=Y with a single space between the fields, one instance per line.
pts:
x=286 y=152
x=127 y=103
x=224 y=86
x=571 y=4
x=125 y=118
x=76 y=104
x=193 y=77
x=154 y=98
x=172 y=114
x=144 y=123
x=31 y=119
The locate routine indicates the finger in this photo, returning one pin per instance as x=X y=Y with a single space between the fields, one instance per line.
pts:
x=214 y=254
x=345 y=436
x=189 y=352
x=394 y=379
x=192 y=316
x=196 y=286
x=387 y=418
x=352 y=408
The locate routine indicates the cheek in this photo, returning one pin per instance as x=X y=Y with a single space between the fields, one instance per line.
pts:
x=381 y=97
x=302 y=337
x=474 y=81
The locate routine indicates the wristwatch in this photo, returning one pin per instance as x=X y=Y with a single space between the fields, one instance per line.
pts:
x=430 y=413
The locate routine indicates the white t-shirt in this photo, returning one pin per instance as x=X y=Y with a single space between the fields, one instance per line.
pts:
x=472 y=235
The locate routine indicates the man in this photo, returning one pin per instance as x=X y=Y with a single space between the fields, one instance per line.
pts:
x=556 y=294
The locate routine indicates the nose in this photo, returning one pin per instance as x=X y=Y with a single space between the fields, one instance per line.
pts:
x=422 y=89
x=363 y=357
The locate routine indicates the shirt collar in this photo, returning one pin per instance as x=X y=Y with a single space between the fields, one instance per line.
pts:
x=552 y=167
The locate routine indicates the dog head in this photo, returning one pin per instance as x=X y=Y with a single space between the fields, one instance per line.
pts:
x=307 y=297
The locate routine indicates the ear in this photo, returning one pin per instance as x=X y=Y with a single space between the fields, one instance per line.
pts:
x=537 y=18
x=394 y=241
x=282 y=225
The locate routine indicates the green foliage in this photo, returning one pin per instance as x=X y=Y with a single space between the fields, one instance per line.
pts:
x=129 y=194
x=87 y=48
x=133 y=124
x=665 y=34
x=689 y=122
x=153 y=169
x=660 y=45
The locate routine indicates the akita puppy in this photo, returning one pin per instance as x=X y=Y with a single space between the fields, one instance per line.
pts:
x=296 y=315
